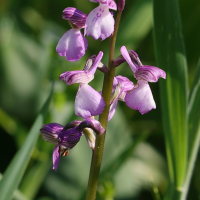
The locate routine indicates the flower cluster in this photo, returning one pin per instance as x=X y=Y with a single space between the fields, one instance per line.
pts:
x=99 y=23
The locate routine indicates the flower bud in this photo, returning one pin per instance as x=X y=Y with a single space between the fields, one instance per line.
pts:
x=121 y=4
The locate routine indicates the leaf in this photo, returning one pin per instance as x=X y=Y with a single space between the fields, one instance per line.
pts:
x=194 y=111
x=194 y=128
x=170 y=55
x=17 y=194
x=16 y=169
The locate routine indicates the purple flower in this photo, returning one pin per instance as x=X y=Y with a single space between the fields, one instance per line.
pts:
x=73 y=44
x=66 y=137
x=88 y=101
x=121 y=85
x=100 y=22
x=140 y=97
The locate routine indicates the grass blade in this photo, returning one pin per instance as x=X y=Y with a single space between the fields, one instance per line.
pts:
x=194 y=128
x=15 y=170
x=170 y=55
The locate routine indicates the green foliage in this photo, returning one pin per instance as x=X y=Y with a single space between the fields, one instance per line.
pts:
x=16 y=169
x=170 y=54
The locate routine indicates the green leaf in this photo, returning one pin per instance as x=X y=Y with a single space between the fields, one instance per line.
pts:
x=194 y=111
x=17 y=194
x=194 y=128
x=170 y=55
x=16 y=169
x=32 y=181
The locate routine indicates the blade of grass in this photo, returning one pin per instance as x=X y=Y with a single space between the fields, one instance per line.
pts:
x=15 y=170
x=194 y=128
x=33 y=180
x=170 y=55
x=17 y=194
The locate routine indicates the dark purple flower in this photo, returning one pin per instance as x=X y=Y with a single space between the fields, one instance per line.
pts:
x=73 y=44
x=100 y=22
x=66 y=137
x=140 y=97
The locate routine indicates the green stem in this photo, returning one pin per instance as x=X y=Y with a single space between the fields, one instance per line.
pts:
x=103 y=118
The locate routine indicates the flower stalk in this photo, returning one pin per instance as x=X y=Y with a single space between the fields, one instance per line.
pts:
x=103 y=118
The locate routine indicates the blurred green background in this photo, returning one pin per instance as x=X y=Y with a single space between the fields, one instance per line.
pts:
x=134 y=163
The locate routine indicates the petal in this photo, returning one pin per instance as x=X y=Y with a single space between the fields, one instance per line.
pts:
x=70 y=138
x=127 y=57
x=72 y=45
x=100 y=23
x=93 y=124
x=50 y=132
x=75 y=16
x=88 y=102
x=149 y=73
x=56 y=158
x=112 y=110
x=110 y=3
x=90 y=137
x=97 y=60
x=71 y=125
x=141 y=98
x=127 y=84
x=79 y=76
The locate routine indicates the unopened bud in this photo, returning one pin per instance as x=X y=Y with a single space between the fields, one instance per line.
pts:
x=121 y=4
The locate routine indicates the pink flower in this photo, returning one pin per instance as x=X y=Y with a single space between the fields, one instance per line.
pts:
x=140 y=97
x=73 y=44
x=100 y=22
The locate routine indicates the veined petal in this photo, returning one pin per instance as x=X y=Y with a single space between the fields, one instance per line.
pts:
x=141 y=98
x=50 y=132
x=75 y=17
x=100 y=23
x=72 y=45
x=79 y=76
x=110 y=3
x=88 y=102
x=149 y=73
x=56 y=158
x=127 y=57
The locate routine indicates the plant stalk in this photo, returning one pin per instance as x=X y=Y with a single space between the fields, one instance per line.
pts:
x=103 y=118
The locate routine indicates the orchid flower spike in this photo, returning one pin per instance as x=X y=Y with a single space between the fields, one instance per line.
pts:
x=100 y=22
x=88 y=101
x=73 y=44
x=140 y=97
x=66 y=137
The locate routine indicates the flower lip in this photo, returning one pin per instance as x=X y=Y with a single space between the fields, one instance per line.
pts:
x=99 y=23
x=88 y=102
x=140 y=98
x=72 y=45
